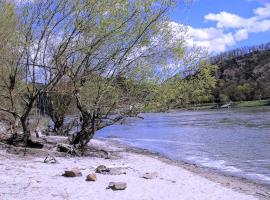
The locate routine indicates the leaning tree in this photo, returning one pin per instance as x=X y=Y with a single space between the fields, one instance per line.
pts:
x=106 y=51
x=121 y=44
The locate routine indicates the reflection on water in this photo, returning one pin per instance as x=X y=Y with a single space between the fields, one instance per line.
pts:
x=235 y=141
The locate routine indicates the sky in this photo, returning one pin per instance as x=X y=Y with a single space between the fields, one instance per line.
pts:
x=221 y=25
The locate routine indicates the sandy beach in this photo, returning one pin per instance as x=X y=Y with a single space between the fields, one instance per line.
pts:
x=28 y=177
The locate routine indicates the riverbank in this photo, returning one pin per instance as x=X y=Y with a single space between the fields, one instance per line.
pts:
x=236 y=104
x=26 y=177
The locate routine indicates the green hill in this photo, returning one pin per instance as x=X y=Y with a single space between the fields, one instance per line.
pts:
x=243 y=74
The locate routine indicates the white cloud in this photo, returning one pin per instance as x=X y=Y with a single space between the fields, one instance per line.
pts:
x=263 y=12
x=261 y=26
x=255 y=24
x=226 y=20
x=230 y=29
x=215 y=40
x=240 y=35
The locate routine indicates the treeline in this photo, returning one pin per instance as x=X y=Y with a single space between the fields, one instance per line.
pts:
x=243 y=74
x=243 y=51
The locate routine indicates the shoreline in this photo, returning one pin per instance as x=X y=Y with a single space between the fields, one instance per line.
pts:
x=239 y=184
x=25 y=177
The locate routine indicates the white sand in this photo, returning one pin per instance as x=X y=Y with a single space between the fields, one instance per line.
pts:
x=29 y=178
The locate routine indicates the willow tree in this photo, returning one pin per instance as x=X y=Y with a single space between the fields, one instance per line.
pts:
x=105 y=50
x=57 y=104
x=10 y=83
x=9 y=53
x=36 y=37
x=121 y=43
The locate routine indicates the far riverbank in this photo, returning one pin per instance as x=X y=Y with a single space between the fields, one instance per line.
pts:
x=235 y=104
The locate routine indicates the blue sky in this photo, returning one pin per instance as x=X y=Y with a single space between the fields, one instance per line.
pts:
x=221 y=25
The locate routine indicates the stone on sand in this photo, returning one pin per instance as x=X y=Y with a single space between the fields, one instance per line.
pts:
x=102 y=169
x=75 y=172
x=150 y=175
x=91 y=177
x=117 y=186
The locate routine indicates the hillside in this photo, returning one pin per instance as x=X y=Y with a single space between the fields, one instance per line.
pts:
x=243 y=74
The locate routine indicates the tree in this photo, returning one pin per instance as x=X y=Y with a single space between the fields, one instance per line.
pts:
x=181 y=91
x=245 y=75
x=111 y=54
x=11 y=85
x=40 y=37
x=129 y=41
x=57 y=104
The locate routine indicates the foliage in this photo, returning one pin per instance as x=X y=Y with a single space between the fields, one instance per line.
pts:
x=252 y=103
x=57 y=104
x=100 y=61
x=10 y=82
x=130 y=42
x=243 y=74
x=180 y=91
x=33 y=54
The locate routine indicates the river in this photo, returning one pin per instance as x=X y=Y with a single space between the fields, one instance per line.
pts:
x=232 y=141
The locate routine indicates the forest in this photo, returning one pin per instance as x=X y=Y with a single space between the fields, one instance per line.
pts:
x=243 y=74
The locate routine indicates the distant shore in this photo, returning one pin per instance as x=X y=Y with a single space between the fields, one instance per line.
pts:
x=236 y=104
x=28 y=177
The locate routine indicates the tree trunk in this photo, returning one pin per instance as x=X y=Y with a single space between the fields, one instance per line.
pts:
x=86 y=133
x=26 y=130
x=88 y=121
x=25 y=121
x=58 y=124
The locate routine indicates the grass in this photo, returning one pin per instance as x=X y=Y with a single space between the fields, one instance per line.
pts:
x=203 y=106
x=255 y=103
x=240 y=104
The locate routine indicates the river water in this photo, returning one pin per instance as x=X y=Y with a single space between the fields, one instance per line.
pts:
x=232 y=141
